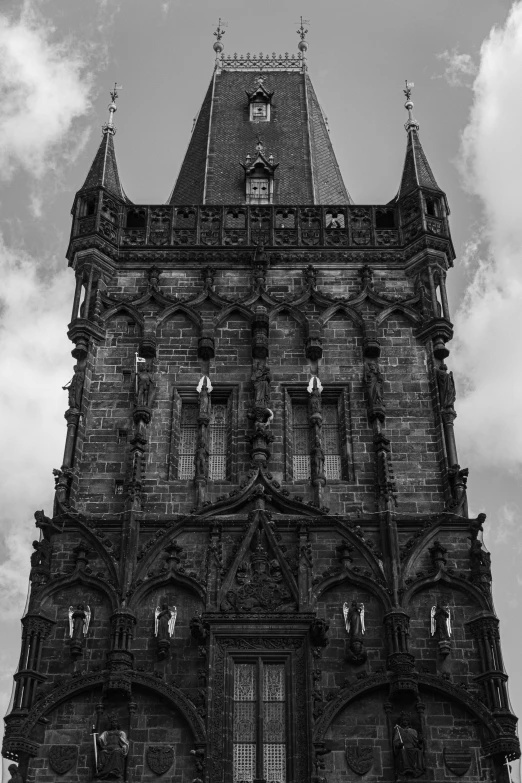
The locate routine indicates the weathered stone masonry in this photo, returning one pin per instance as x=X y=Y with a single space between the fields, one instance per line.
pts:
x=260 y=565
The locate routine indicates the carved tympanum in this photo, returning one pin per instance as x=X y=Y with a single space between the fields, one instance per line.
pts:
x=259 y=585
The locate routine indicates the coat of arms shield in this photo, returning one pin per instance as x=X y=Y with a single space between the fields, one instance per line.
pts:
x=160 y=758
x=360 y=758
x=62 y=758
x=457 y=761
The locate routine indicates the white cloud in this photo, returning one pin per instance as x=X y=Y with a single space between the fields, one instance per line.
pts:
x=488 y=351
x=460 y=68
x=36 y=363
x=44 y=88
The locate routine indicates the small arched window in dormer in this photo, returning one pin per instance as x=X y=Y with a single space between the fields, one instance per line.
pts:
x=259 y=102
x=259 y=176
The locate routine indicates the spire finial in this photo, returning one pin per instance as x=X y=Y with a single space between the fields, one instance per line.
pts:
x=219 y=33
x=109 y=126
x=411 y=123
x=303 y=43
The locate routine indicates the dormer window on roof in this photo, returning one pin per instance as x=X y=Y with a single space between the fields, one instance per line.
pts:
x=259 y=176
x=259 y=101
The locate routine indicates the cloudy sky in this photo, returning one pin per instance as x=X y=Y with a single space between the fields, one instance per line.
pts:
x=58 y=60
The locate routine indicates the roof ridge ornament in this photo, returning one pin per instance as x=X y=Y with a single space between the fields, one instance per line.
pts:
x=411 y=123
x=303 y=43
x=219 y=33
x=109 y=125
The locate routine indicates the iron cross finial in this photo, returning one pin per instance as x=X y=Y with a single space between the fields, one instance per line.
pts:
x=302 y=32
x=220 y=32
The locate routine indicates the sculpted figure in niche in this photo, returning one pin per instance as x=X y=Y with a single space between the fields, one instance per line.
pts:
x=441 y=622
x=446 y=386
x=79 y=620
x=113 y=749
x=145 y=387
x=261 y=380
x=374 y=382
x=164 y=622
x=354 y=623
x=408 y=749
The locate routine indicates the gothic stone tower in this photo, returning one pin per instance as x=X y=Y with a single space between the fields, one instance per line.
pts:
x=260 y=565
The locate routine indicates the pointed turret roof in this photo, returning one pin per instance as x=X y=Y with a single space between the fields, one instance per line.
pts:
x=295 y=134
x=416 y=172
x=104 y=169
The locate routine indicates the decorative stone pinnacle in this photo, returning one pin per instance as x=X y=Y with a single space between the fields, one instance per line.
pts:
x=411 y=123
x=109 y=126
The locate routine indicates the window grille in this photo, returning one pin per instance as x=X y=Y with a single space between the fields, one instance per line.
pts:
x=301 y=428
x=331 y=442
x=187 y=443
x=217 y=469
x=258 y=190
x=259 y=111
x=249 y=730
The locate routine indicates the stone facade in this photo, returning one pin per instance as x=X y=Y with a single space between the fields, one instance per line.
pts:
x=260 y=480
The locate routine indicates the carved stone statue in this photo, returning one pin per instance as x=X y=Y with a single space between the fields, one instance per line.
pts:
x=201 y=457
x=204 y=401
x=446 y=386
x=113 y=749
x=197 y=628
x=354 y=619
x=79 y=620
x=318 y=632
x=261 y=379
x=310 y=276
x=75 y=387
x=145 y=387
x=315 y=403
x=408 y=749
x=374 y=382
x=46 y=525
x=441 y=622
x=41 y=557
x=15 y=775
x=354 y=623
x=165 y=621
x=317 y=458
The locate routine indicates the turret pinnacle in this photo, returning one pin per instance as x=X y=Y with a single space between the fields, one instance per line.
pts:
x=417 y=171
x=104 y=169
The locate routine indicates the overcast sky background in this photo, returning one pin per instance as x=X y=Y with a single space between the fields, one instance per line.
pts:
x=58 y=60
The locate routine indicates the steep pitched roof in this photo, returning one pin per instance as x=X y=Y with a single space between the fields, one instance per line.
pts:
x=296 y=135
x=104 y=169
x=417 y=171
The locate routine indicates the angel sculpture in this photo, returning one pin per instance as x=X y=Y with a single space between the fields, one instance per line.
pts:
x=354 y=623
x=441 y=622
x=354 y=619
x=164 y=622
x=79 y=620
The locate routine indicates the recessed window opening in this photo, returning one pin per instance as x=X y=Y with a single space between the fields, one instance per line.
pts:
x=136 y=218
x=431 y=207
x=385 y=218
